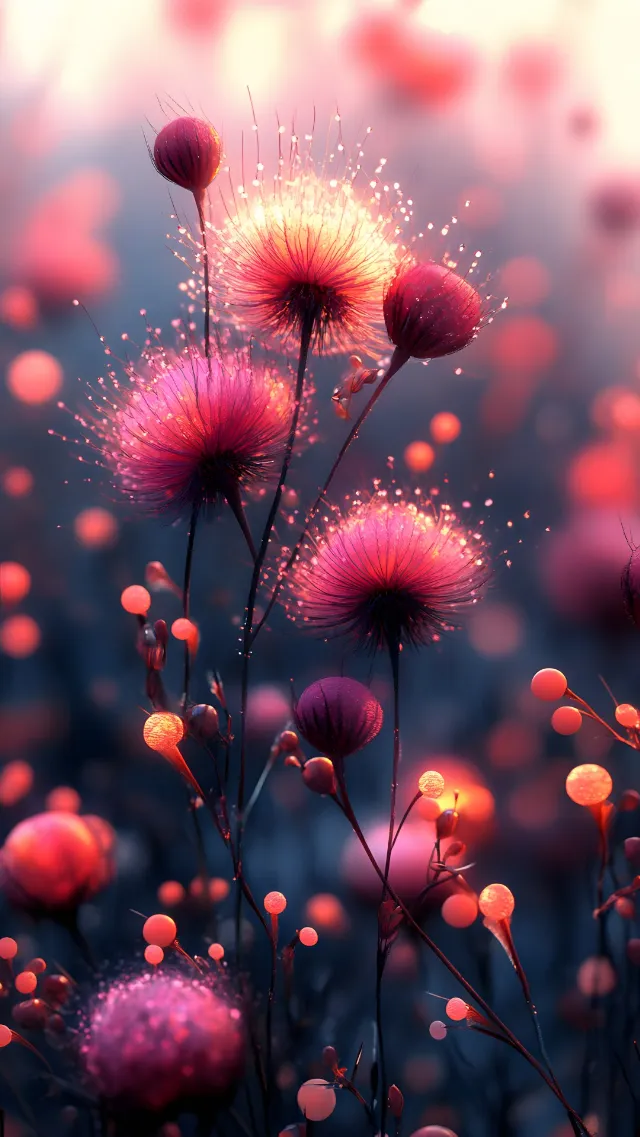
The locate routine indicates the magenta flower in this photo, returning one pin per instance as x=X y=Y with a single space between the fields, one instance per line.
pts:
x=338 y=716
x=163 y=1043
x=386 y=573
x=430 y=311
x=181 y=438
x=187 y=151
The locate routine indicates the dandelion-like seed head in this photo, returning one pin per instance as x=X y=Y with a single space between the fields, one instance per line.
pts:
x=320 y=245
x=193 y=432
x=388 y=572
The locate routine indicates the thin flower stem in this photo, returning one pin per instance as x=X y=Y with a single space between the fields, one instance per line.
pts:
x=305 y=344
x=347 y=809
x=398 y=360
x=205 y=264
x=186 y=598
x=270 y=1003
x=394 y=657
x=405 y=816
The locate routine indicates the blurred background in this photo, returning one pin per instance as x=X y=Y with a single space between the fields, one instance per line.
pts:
x=528 y=112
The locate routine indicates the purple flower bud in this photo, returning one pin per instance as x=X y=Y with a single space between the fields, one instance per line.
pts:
x=430 y=311
x=203 y=721
x=187 y=151
x=631 y=587
x=338 y=716
x=447 y=823
x=632 y=851
x=330 y=1056
x=319 y=776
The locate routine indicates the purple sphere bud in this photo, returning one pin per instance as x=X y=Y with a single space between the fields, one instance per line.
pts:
x=430 y=311
x=203 y=721
x=631 y=587
x=319 y=776
x=632 y=851
x=629 y=801
x=187 y=152
x=338 y=716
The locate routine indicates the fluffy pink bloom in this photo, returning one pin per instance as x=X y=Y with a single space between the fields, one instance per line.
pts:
x=386 y=573
x=319 y=246
x=163 y=1043
x=181 y=438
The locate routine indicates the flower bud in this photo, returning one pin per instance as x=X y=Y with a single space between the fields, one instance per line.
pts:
x=629 y=800
x=447 y=823
x=288 y=742
x=330 y=1056
x=338 y=716
x=395 y=1101
x=204 y=722
x=187 y=152
x=319 y=776
x=632 y=851
x=430 y=311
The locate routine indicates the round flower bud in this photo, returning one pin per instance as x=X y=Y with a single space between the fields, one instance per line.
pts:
x=457 y=1010
x=203 y=721
x=338 y=716
x=316 y=1099
x=52 y=862
x=136 y=600
x=430 y=311
x=549 y=684
x=318 y=775
x=308 y=937
x=631 y=851
x=629 y=801
x=496 y=902
x=395 y=1101
x=187 y=152
x=275 y=903
x=566 y=720
x=431 y=784
x=160 y=930
x=589 y=784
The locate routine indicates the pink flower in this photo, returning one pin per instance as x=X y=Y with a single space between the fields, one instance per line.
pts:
x=181 y=438
x=187 y=151
x=316 y=248
x=162 y=1043
x=386 y=573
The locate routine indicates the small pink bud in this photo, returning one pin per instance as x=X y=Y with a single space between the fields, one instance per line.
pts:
x=396 y=1102
x=632 y=851
x=430 y=311
x=319 y=776
x=330 y=1056
x=203 y=721
x=187 y=152
x=288 y=741
x=629 y=800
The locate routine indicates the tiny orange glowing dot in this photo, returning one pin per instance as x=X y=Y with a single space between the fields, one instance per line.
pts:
x=419 y=457
x=153 y=954
x=308 y=937
x=15 y=582
x=549 y=684
x=566 y=720
x=496 y=902
x=183 y=629
x=136 y=600
x=275 y=903
x=5 y=1035
x=34 y=377
x=216 y=951
x=170 y=893
x=627 y=715
x=162 y=730
x=589 y=784
x=431 y=784
x=26 y=982
x=445 y=427
x=457 y=1009
x=8 y=948
x=19 y=636
x=160 y=930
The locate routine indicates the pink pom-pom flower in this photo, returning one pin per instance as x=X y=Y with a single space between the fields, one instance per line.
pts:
x=160 y=1044
x=194 y=432
x=386 y=573
x=430 y=311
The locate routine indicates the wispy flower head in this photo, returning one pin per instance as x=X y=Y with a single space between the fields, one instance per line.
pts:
x=388 y=572
x=320 y=243
x=190 y=432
